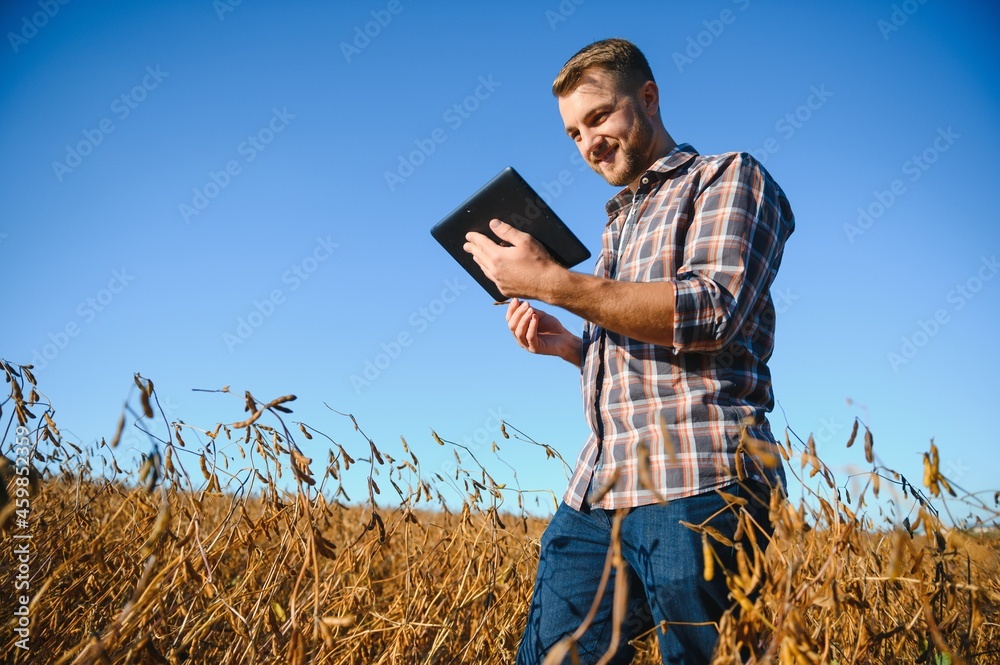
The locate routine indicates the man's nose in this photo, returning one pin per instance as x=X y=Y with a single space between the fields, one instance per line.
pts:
x=590 y=142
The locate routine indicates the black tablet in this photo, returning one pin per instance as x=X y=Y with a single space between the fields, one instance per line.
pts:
x=509 y=198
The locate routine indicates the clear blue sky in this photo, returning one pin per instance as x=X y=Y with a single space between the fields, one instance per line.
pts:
x=171 y=170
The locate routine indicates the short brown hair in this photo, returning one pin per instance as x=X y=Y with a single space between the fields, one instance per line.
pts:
x=620 y=57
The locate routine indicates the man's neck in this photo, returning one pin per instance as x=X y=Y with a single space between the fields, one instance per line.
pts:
x=663 y=143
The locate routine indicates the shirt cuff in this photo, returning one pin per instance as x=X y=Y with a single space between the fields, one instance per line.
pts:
x=699 y=315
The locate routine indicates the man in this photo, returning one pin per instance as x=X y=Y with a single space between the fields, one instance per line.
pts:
x=679 y=328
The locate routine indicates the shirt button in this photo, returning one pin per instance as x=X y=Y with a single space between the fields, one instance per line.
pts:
x=645 y=181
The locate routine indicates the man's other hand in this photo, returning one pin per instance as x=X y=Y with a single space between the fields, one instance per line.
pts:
x=541 y=333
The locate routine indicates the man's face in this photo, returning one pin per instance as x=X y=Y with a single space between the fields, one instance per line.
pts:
x=610 y=129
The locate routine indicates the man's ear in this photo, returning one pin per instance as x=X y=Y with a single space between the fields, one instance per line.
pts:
x=649 y=98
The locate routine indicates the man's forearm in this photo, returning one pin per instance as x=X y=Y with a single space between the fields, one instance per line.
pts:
x=641 y=310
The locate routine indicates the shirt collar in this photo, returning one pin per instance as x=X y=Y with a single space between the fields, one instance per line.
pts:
x=661 y=169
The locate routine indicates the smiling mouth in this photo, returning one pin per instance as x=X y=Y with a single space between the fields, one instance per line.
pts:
x=605 y=157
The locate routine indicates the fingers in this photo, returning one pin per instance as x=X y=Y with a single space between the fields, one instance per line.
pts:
x=489 y=273
x=473 y=239
x=521 y=332
x=507 y=232
x=512 y=307
x=478 y=245
x=516 y=310
x=515 y=314
x=518 y=322
x=481 y=248
x=531 y=337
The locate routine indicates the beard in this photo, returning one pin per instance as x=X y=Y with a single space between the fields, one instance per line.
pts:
x=634 y=153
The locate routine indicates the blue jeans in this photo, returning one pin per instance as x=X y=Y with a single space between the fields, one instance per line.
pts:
x=665 y=578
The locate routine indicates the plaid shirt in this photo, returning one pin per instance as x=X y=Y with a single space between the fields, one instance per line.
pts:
x=716 y=227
